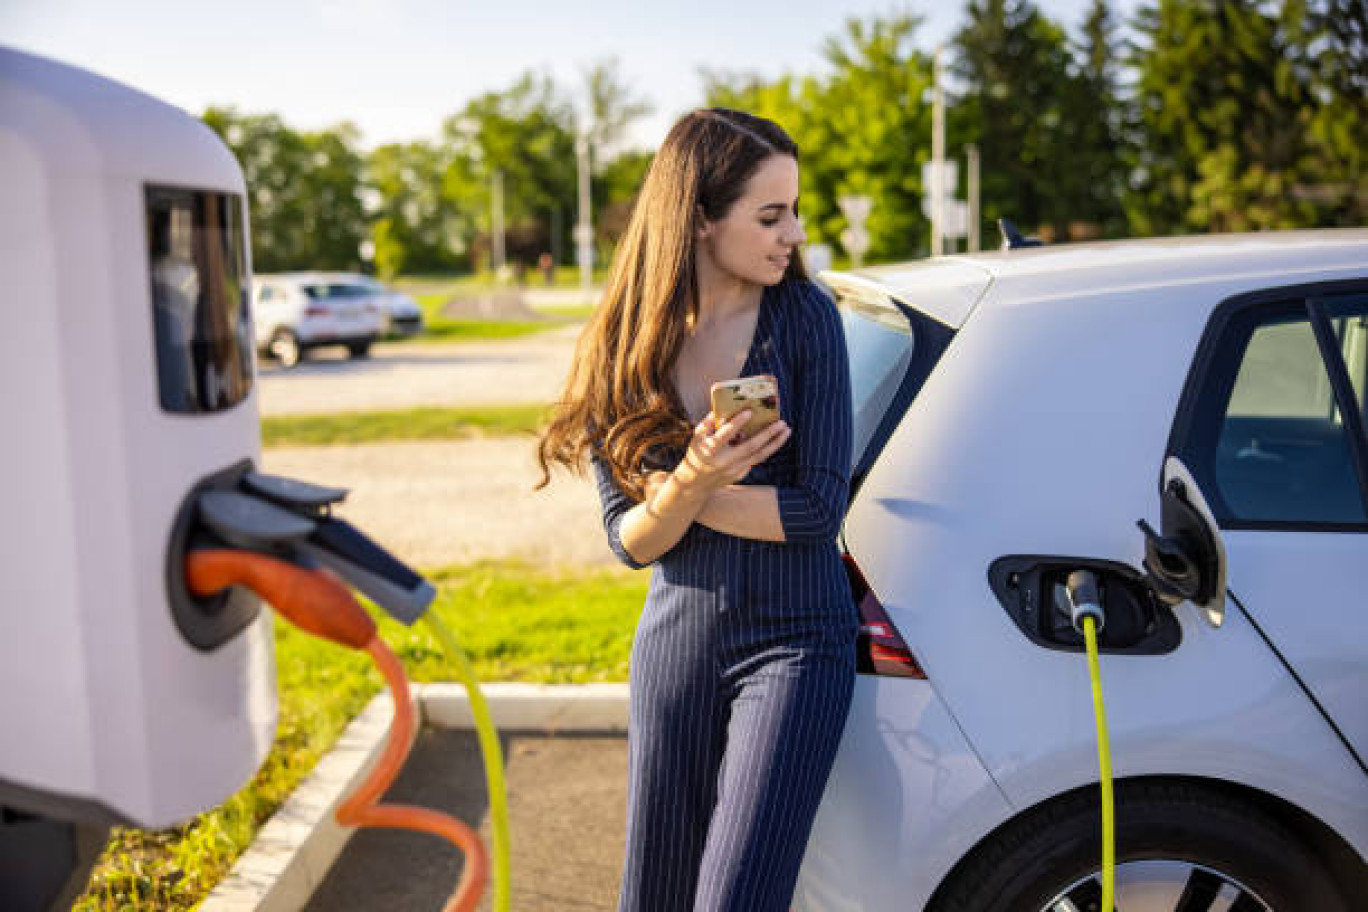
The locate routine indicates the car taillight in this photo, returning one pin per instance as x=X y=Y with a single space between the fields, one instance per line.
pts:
x=316 y=310
x=879 y=648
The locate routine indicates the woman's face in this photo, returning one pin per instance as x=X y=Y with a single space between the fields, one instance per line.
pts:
x=755 y=239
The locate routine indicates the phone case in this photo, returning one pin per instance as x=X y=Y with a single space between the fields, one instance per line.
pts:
x=759 y=393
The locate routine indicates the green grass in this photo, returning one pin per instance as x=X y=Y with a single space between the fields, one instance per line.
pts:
x=426 y=423
x=566 y=277
x=439 y=328
x=516 y=623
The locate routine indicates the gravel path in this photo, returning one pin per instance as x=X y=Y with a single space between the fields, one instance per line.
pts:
x=437 y=504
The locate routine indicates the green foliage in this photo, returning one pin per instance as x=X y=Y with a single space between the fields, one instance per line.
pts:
x=304 y=191
x=1252 y=116
x=418 y=225
x=514 y=621
x=863 y=130
x=1042 y=121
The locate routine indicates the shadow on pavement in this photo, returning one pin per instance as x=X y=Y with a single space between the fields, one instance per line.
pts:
x=567 y=799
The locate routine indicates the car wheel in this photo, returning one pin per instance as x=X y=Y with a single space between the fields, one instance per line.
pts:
x=285 y=348
x=359 y=349
x=1178 y=847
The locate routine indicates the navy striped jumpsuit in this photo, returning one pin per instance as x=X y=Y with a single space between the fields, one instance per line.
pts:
x=743 y=663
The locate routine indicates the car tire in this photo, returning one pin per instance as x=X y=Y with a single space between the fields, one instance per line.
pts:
x=285 y=348
x=359 y=349
x=1203 y=838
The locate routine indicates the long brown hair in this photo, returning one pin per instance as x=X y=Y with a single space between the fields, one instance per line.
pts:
x=620 y=397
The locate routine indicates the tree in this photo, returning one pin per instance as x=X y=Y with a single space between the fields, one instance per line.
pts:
x=526 y=134
x=863 y=130
x=304 y=191
x=613 y=108
x=417 y=227
x=1094 y=126
x=1331 y=41
x=1019 y=78
x=1253 y=116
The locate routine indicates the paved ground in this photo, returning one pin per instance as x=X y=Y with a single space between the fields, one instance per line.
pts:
x=406 y=374
x=567 y=813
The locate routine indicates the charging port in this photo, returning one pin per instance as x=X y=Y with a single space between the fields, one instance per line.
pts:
x=1034 y=591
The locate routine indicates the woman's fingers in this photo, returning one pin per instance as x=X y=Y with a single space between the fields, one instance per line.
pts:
x=766 y=443
x=728 y=431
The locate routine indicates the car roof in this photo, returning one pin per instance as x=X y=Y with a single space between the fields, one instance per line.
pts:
x=1066 y=269
x=353 y=278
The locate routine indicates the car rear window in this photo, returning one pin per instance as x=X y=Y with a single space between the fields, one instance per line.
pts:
x=893 y=349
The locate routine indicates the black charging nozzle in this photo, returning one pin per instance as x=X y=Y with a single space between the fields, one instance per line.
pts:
x=293 y=520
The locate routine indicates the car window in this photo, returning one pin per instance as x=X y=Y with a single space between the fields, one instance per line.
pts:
x=1349 y=317
x=320 y=290
x=1278 y=449
x=892 y=349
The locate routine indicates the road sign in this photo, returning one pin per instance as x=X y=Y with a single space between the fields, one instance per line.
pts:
x=949 y=170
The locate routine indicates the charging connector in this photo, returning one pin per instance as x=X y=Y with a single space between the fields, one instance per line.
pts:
x=1085 y=600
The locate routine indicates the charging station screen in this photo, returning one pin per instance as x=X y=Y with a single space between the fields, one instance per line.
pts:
x=197 y=264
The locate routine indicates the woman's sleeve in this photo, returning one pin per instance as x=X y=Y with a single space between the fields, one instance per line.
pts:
x=615 y=505
x=813 y=509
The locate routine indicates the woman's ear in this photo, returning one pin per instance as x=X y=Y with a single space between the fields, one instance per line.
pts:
x=703 y=227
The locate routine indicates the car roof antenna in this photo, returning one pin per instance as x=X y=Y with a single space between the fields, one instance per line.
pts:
x=1012 y=239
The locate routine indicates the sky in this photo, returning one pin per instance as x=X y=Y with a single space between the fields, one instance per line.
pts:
x=398 y=68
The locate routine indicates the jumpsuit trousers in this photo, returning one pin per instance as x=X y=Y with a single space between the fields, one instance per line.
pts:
x=743 y=663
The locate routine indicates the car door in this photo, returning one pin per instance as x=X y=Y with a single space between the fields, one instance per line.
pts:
x=1272 y=429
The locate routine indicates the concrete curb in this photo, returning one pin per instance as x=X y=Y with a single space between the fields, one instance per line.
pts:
x=292 y=853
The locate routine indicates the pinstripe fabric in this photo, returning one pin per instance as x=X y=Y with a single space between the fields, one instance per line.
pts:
x=743 y=663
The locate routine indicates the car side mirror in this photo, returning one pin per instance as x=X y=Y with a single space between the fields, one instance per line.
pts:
x=1185 y=560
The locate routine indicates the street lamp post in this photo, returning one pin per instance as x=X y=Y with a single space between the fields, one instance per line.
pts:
x=584 y=228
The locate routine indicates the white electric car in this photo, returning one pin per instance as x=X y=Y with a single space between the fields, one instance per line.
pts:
x=1017 y=413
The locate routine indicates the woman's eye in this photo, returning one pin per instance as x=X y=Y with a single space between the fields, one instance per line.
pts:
x=769 y=223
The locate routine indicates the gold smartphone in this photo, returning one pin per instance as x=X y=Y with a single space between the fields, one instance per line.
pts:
x=760 y=394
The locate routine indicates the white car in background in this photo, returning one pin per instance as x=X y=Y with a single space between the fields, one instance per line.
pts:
x=299 y=311
x=401 y=314
x=1016 y=414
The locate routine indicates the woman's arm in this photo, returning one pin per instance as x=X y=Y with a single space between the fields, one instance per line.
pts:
x=813 y=508
x=746 y=511
x=640 y=533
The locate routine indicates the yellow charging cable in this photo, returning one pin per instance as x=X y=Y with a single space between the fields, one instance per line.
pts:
x=493 y=759
x=1104 y=763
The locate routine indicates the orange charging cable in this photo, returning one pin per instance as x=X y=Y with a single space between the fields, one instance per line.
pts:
x=317 y=602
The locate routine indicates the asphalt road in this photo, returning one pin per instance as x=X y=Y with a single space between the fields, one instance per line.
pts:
x=567 y=800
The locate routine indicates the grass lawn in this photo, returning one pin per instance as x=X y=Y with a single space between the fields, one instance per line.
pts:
x=515 y=622
x=567 y=277
x=432 y=292
x=425 y=423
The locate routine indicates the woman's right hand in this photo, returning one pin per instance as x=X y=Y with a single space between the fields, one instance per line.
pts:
x=714 y=461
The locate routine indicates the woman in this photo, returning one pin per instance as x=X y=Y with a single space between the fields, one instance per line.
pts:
x=743 y=662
